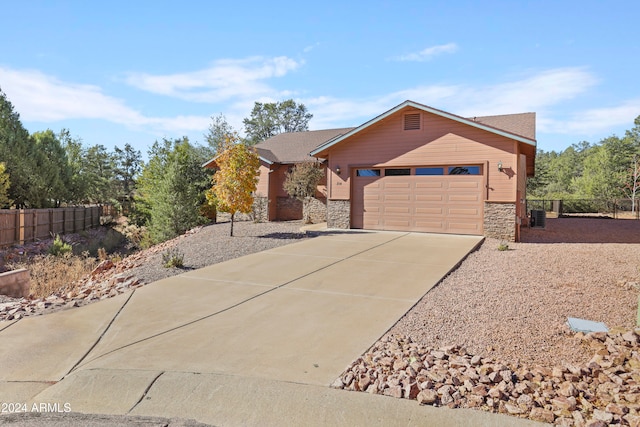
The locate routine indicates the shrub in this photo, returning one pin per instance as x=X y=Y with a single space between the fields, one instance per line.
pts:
x=503 y=247
x=56 y=274
x=173 y=258
x=59 y=247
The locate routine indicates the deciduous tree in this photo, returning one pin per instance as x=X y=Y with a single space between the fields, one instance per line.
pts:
x=236 y=178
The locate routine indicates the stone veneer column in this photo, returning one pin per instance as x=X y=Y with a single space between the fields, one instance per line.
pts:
x=315 y=209
x=338 y=214
x=500 y=221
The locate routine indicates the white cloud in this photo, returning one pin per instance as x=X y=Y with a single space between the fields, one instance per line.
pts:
x=538 y=92
x=428 y=53
x=40 y=97
x=533 y=93
x=595 y=120
x=310 y=47
x=225 y=79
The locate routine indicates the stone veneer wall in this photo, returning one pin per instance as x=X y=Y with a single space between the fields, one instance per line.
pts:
x=315 y=209
x=260 y=209
x=338 y=214
x=500 y=221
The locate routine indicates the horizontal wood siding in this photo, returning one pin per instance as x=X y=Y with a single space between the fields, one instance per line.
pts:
x=440 y=141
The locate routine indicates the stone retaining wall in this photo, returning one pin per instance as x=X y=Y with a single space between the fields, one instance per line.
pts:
x=500 y=221
x=260 y=209
x=15 y=283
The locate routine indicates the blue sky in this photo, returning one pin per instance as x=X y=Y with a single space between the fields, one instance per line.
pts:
x=136 y=71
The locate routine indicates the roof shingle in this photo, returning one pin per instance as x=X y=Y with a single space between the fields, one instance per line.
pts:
x=294 y=147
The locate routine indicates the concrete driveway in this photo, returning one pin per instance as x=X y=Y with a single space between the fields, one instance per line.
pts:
x=255 y=340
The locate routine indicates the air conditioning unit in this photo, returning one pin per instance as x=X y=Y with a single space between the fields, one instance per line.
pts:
x=538 y=218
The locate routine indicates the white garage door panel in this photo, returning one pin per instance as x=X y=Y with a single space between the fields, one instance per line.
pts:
x=437 y=204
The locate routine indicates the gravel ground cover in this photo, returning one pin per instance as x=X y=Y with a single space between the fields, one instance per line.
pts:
x=513 y=305
x=212 y=244
x=493 y=334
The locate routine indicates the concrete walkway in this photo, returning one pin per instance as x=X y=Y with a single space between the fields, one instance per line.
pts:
x=252 y=341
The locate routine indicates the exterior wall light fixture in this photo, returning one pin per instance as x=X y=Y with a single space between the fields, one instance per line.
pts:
x=338 y=170
x=500 y=166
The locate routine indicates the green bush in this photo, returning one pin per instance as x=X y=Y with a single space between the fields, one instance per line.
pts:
x=503 y=247
x=173 y=258
x=59 y=247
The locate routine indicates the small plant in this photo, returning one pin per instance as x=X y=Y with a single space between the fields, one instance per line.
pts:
x=59 y=247
x=503 y=247
x=56 y=275
x=173 y=258
x=102 y=254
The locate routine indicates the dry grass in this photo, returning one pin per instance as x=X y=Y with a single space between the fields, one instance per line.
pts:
x=56 y=275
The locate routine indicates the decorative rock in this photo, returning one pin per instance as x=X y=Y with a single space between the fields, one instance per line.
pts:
x=427 y=397
x=393 y=391
x=602 y=416
x=525 y=401
x=616 y=409
x=513 y=409
x=541 y=414
x=475 y=360
x=567 y=389
x=565 y=405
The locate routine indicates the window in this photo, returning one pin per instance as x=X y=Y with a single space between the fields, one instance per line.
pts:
x=368 y=172
x=429 y=171
x=397 y=172
x=464 y=170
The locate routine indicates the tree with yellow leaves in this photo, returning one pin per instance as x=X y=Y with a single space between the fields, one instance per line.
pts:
x=5 y=202
x=236 y=178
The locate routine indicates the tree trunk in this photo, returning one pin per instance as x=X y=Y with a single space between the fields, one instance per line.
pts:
x=232 y=216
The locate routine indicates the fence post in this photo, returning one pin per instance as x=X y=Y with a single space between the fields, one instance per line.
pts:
x=22 y=226
x=35 y=224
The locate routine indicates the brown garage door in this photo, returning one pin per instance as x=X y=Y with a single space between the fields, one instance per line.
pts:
x=436 y=204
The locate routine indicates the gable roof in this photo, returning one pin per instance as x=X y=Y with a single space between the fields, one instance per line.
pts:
x=294 y=147
x=523 y=124
x=510 y=123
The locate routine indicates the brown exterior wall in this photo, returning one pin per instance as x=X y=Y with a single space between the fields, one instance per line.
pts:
x=500 y=221
x=262 y=188
x=288 y=209
x=440 y=141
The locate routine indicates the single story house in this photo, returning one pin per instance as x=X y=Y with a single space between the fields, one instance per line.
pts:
x=412 y=168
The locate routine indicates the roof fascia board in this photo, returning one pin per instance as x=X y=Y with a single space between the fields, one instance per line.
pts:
x=394 y=110
x=205 y=164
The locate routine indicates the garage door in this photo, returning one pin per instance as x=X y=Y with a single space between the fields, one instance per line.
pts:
x=437 y=204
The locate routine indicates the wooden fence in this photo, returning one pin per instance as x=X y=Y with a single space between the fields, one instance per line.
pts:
x=19 y=226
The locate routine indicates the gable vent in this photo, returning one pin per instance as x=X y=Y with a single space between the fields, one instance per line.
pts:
x=412 y=121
